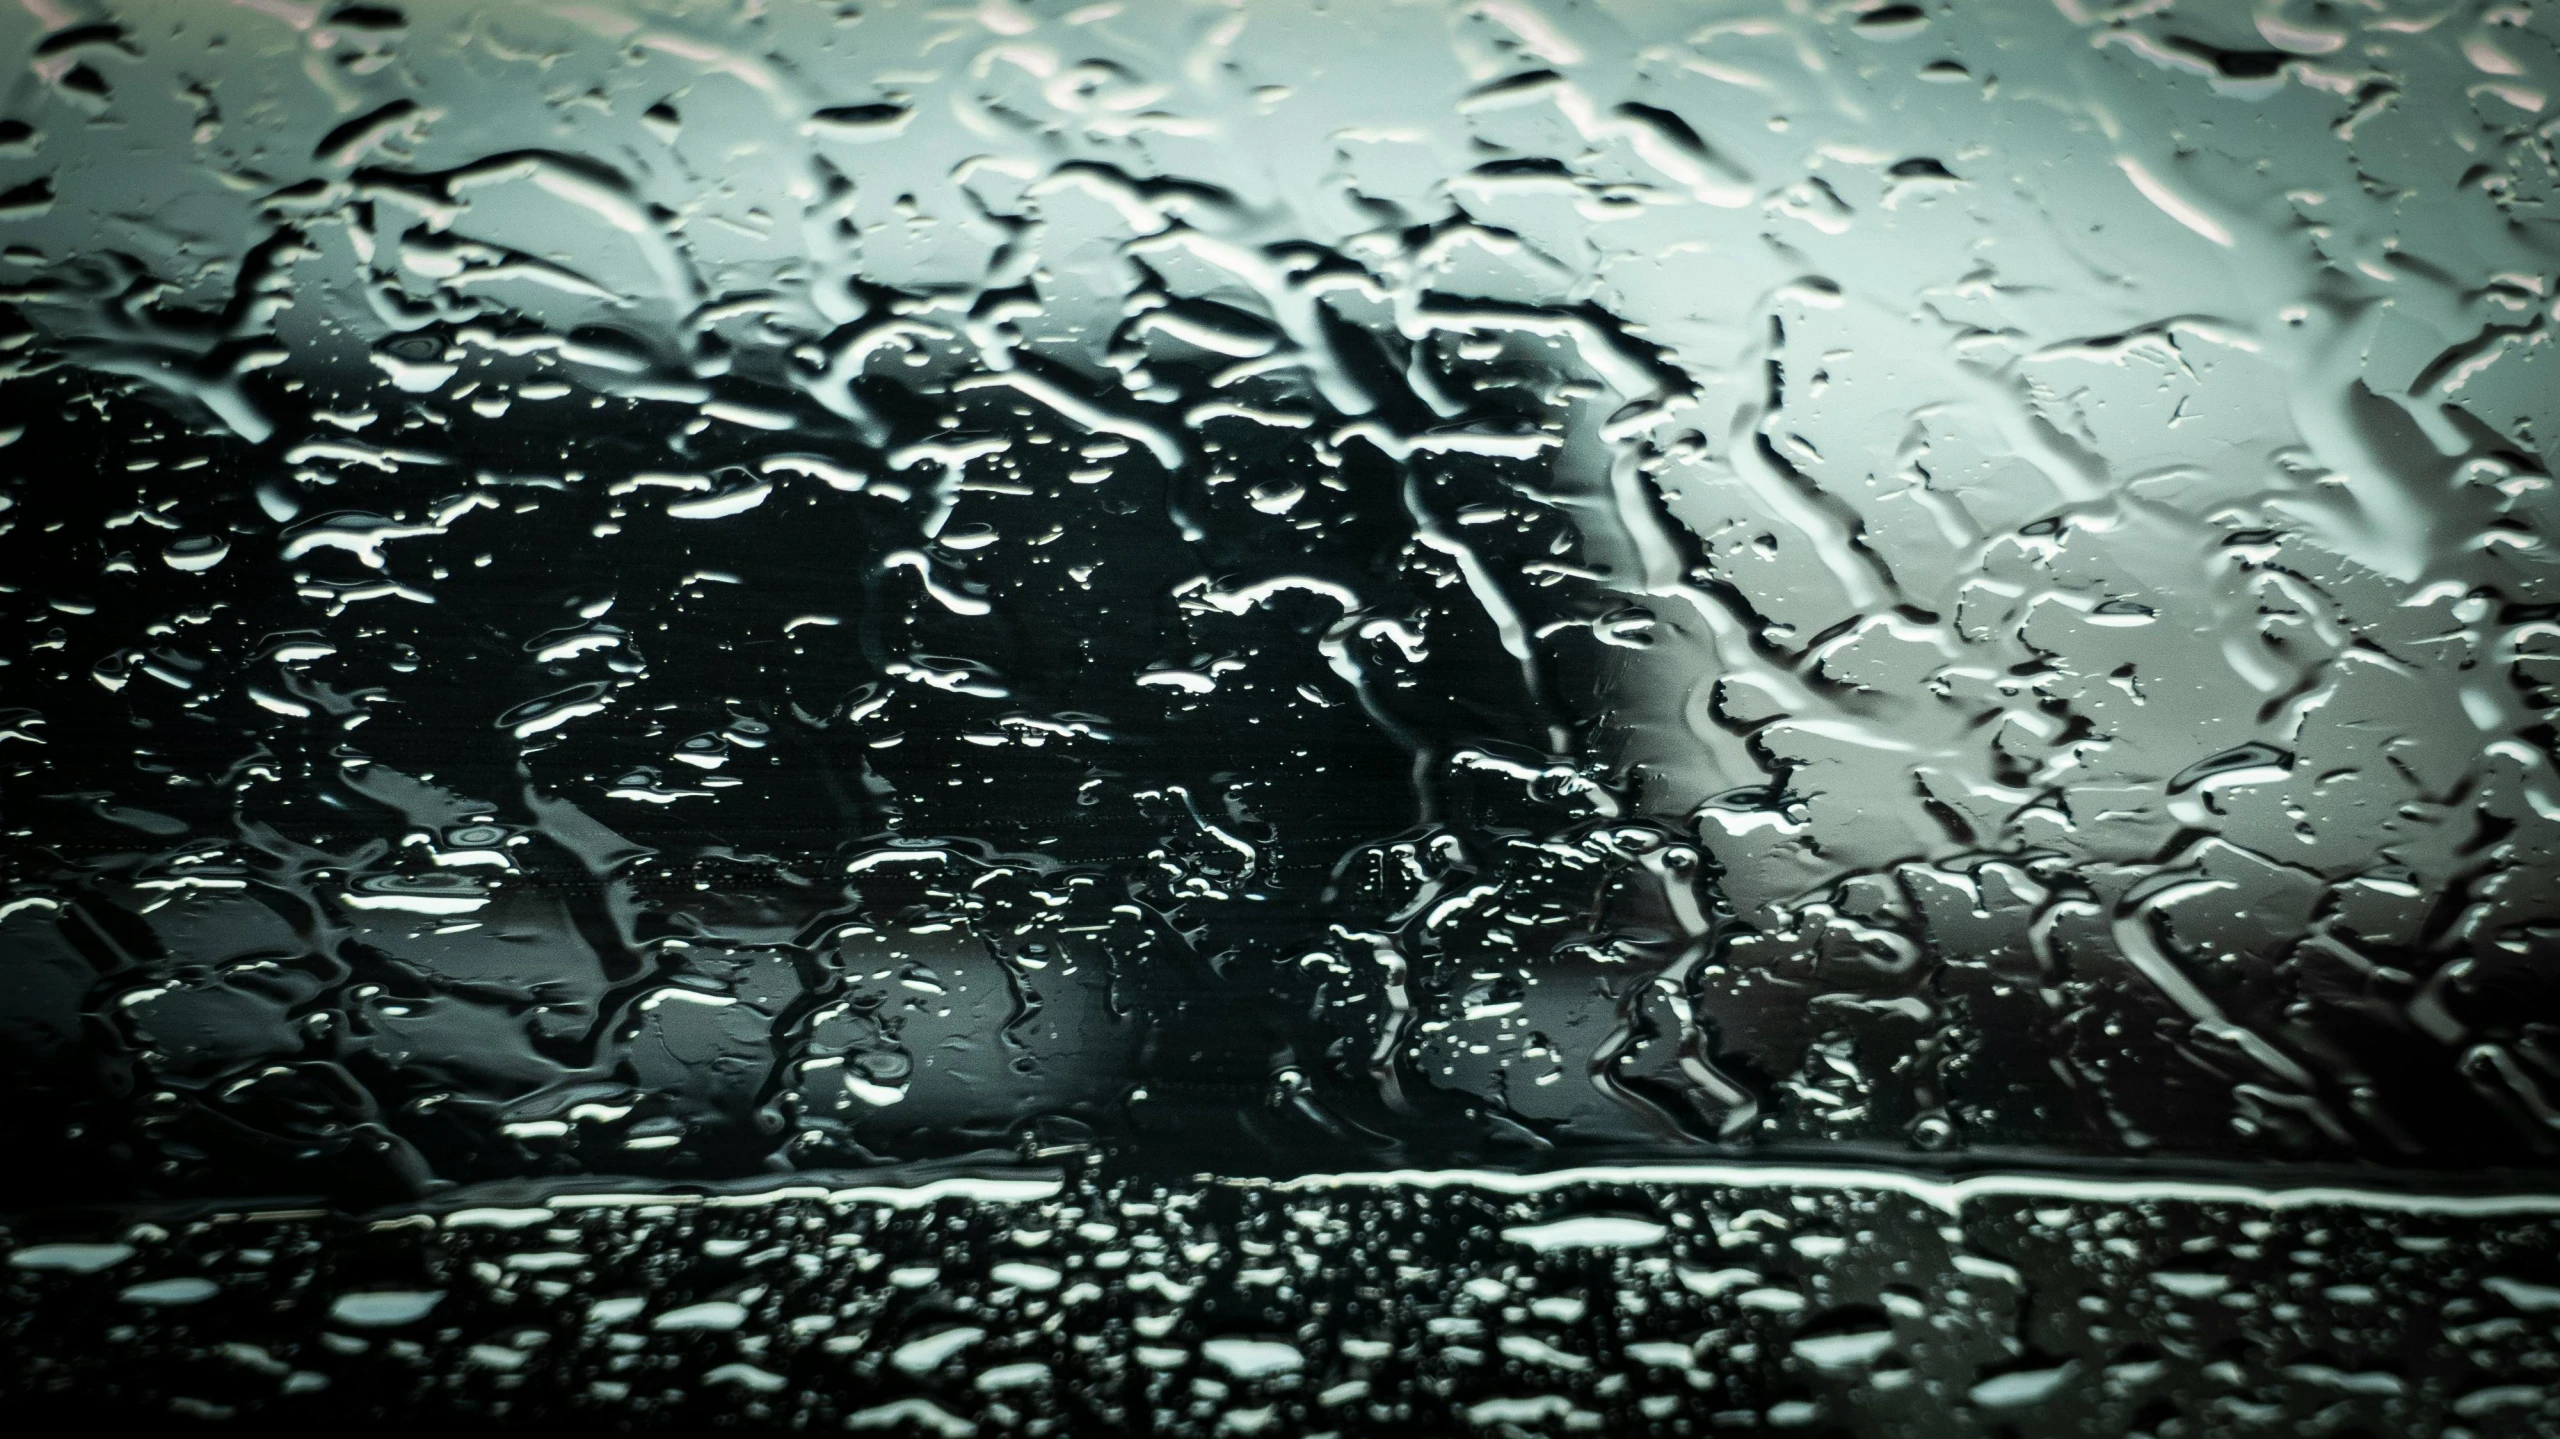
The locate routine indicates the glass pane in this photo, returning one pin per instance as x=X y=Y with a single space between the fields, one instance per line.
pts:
x=1283 y=645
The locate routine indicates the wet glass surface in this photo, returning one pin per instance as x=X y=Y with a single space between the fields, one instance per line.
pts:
x=1652 y=1302
x=665 y=597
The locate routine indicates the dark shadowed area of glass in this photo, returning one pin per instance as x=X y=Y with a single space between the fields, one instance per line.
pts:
x=1136 y=603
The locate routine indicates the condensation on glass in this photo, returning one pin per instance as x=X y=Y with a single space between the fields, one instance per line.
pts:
x=704 y=590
